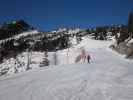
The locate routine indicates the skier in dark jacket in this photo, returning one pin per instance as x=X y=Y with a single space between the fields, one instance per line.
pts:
x=88 y=58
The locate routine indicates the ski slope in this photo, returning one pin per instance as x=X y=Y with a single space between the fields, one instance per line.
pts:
x=108 y=77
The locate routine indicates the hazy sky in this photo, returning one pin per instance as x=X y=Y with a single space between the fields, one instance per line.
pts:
x=51 y=14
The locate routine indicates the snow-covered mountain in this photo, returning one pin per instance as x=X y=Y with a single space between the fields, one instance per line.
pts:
x=108 y=77
x=15 y=48
x=23 y=34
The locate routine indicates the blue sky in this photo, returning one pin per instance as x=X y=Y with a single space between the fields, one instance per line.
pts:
x=51 y=14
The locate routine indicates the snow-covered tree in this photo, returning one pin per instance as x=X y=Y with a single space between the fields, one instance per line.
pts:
x=55 y=58
x=45 y=61
x=28 y=59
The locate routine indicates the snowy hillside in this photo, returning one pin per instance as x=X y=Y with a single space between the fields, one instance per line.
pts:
x=107 y=77
x=14 y=50
x=19 y=63
x=31 y=32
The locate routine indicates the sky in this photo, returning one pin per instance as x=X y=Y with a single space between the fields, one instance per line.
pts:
x=52 y=14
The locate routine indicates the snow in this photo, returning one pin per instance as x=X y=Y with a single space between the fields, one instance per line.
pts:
x=108 y=77
x=131 y=41
x=74 y=31
x=27 y=33
x=59 y=30
x=67 y=31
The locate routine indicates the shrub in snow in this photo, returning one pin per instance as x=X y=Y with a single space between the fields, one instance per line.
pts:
x=18 y=64
x=4 y=71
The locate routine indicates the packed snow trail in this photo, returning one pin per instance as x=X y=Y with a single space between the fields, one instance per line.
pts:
x=108 y=77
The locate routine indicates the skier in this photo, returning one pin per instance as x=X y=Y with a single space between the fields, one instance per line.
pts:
x=88 y=58
x=83 y=54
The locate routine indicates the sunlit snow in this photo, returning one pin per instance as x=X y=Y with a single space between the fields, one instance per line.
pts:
x=107 y=77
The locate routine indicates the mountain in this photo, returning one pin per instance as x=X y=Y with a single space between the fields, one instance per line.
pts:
x=13 y=28
x=36 y=41
x=17 y=47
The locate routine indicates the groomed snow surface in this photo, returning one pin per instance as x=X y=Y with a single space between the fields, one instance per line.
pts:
x=107 y=77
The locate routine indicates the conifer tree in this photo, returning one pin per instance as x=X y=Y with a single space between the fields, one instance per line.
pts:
x=130 y=25
x=45 y=61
